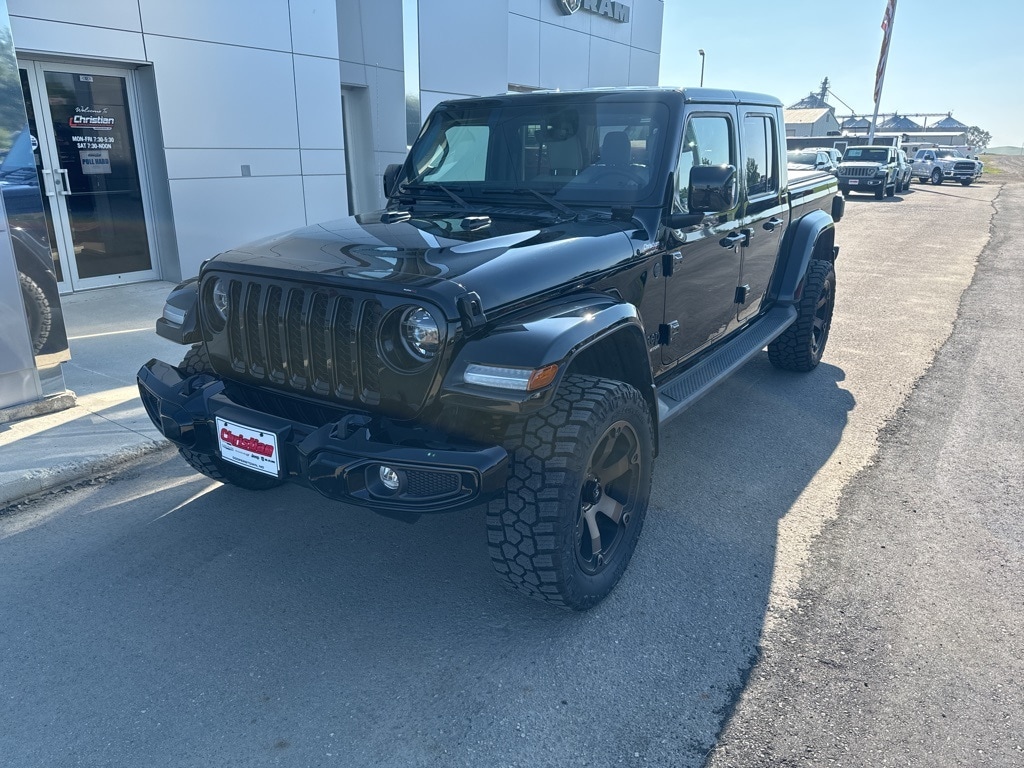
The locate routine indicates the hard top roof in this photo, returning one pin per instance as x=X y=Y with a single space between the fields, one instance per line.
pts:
x=687 y=95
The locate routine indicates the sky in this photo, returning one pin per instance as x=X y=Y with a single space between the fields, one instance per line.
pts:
x=961 y=57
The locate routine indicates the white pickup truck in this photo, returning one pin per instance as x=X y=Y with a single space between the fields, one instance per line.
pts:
x=938 y=164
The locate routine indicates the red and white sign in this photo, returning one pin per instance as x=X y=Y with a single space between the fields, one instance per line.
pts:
x=248 y=447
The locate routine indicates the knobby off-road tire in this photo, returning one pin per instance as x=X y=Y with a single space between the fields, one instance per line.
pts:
x=198 y=361
x=37 y=309
x=800 y=347
x=579 y=484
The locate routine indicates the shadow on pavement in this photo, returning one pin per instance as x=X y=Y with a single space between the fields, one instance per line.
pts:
x=193 y=622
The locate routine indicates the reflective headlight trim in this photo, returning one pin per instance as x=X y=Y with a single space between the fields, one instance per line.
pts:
x=420 y=333
x=219 y=294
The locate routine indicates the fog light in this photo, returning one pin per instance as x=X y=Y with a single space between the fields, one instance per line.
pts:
x=389 y=478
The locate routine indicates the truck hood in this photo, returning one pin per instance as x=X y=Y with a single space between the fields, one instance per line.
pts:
x=442 y=256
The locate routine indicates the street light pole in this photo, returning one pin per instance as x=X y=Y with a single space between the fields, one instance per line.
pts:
x=701 y=52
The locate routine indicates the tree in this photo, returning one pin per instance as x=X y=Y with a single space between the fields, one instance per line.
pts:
x=978 y=138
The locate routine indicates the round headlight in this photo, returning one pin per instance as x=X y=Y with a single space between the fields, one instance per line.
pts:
x=420 y=333
x=219 y=296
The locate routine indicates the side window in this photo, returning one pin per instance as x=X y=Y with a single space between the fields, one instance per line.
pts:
x=760 y=166
x=706 y=141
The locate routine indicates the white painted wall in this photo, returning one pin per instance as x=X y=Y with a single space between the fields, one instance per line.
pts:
x=251 y=84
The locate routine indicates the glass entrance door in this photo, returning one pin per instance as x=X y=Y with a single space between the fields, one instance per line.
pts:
x=81 y=118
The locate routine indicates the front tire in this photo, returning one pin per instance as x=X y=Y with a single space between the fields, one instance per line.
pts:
x=38 y=311
x=936 y=177
x=198 y=361
x=801 y=346
x=577 y=494
x=966 y=182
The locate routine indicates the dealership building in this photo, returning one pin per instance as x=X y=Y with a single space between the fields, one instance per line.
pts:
x=162 y=133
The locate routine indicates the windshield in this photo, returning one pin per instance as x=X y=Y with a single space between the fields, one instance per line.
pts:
x=866 y=155
x=604 y=152
x=802 y=158
x=947 y=153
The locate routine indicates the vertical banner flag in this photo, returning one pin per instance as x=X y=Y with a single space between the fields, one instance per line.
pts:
x=890 y=13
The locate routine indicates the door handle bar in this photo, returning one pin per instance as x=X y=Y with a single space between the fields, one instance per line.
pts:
x=65 y=182
x=48 y=183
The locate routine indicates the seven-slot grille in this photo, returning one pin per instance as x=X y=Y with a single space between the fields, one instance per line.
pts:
x=308 y=340
x=859 y=170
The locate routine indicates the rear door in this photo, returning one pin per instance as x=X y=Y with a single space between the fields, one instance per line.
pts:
x=764 y=216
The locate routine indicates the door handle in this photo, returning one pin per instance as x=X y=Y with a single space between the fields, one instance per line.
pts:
x=48 y=183
x=732 y=239
x=65 y=182
x=772 y=223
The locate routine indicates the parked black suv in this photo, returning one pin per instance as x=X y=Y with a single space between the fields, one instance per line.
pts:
x=555 y=277
x=869 y=169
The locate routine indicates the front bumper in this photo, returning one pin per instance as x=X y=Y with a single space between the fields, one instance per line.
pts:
x=340 y=460
x=861 y=183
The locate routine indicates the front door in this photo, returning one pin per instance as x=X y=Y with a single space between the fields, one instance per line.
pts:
x=700 y=292
x=81 y=120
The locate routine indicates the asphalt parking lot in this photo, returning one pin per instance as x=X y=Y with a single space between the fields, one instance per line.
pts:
x=162 y=620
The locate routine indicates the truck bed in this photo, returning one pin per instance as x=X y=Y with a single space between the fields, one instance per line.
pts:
x=807 y=188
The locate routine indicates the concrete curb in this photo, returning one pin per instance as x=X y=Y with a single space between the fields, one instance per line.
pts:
x=41 y=481
x=48 y=405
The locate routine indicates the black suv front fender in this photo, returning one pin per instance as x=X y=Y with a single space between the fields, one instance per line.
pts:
x=556 y=333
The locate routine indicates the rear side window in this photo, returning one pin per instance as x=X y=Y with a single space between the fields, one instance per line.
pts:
x=760 y=164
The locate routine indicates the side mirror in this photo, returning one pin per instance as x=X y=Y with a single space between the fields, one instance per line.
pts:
x=390 y=177
x=712 y=188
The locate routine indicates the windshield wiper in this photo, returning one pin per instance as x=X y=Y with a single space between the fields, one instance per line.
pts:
x=549 y=201
x=431 y=187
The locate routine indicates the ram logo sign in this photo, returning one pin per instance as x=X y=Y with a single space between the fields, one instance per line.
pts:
x=613 y=10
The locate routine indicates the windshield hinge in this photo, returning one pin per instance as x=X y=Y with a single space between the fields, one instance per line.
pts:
x=476 y=221
x=471 y=311
x=395 y=217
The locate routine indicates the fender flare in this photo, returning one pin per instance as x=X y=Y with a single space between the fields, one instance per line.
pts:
x=180 y=320
x=813 y=235
x=554 y=334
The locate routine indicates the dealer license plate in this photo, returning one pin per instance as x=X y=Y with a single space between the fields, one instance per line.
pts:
x=247 y=447
x=854 y=182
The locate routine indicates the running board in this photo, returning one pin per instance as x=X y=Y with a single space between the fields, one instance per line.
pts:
x=682 y=391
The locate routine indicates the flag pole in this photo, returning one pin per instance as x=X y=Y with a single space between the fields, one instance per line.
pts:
x=887 y=22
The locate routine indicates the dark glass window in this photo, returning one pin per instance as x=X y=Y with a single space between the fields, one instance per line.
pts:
x=706 y=141
x=760 y=165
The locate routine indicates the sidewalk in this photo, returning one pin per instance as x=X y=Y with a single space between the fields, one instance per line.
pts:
x=111 y=333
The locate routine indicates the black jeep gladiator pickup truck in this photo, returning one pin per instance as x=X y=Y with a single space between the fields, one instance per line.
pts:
x=555 y=276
